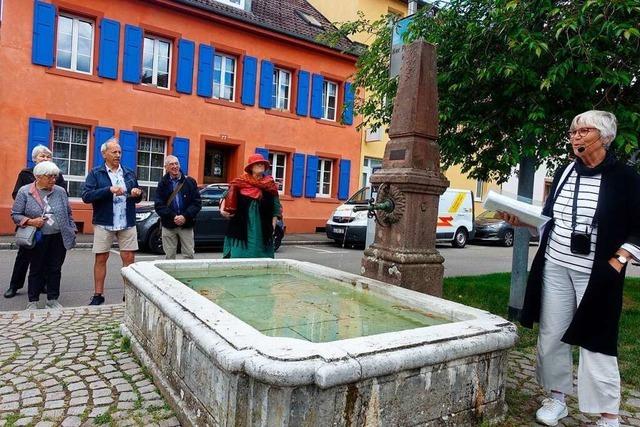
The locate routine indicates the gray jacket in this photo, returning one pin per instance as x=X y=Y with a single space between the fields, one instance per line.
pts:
x=26 y=207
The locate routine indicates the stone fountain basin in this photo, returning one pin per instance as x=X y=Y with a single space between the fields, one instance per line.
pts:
x=215 y=369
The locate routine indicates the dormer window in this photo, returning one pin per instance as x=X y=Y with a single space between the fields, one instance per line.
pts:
x=310 y=19
x=235 y=3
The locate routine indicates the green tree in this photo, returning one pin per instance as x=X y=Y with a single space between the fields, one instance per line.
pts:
x=512 y=74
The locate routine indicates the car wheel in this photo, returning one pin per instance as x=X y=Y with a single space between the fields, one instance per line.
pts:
x=507 y=240
x=155 y=241
x=460 y=238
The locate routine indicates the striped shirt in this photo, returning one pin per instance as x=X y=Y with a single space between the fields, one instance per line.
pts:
x=559 y=246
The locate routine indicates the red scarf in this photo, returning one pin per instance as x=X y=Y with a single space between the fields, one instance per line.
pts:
x=253 y=187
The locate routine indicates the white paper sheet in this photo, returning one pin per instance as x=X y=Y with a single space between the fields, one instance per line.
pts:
x=528 y=214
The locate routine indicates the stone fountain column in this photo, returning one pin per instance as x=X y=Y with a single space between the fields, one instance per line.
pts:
x=404 y=252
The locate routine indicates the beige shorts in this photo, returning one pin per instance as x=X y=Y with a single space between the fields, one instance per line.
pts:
x=103 y=239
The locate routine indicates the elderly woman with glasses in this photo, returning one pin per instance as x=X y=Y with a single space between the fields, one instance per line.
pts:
x=44 y=205
x=574 y=288
x=40 y=153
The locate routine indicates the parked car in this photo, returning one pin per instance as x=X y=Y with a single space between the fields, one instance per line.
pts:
x=491 y=228
x=210 y=226
x=455 y=218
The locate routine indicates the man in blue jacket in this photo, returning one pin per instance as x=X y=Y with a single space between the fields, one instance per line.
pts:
x=113 y=191
x=177 y=202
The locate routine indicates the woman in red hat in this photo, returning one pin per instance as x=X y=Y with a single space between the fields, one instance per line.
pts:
x=253 y=206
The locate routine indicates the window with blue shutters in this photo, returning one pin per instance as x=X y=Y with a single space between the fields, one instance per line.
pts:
x=181 y=151
x=156 y=62
x=101 y=135
x=205 y=70
x=249 y=72
x=281 y=93
x=311 y=178
x=224 y=77
x=128 y=144
x=39 y=134
x=344 y=179
x=74 y=44
x=132 y=62
x=266 y=87
x=150 y=162
x=329 y=100
x=109 y=49
x=186 y=52
x=279 y=169
x=324 y=180
x=44 y=18
x=71 y=155
x=297 y=177
x=302 y=102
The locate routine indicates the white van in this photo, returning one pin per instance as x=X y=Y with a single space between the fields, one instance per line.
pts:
x=455 y=218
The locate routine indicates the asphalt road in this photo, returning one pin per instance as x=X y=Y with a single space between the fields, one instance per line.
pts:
x=77 y=274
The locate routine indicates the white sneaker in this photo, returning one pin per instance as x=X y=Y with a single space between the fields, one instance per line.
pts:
x=32 y=305
x=551 y=412
x=52 y=303
x=605 y=422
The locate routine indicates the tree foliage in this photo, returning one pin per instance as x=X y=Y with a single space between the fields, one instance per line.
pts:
x=512 y=74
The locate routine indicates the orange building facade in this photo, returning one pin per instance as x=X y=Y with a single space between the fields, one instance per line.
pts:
x=171 y=77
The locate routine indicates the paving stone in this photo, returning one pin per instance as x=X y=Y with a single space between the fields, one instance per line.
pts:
x=23 y=422
x=76 y=410
x=76 y=386
x=71 y=422
x=54 y=414
x=103 y=400
x=82 y=400
x=79 y=393
x=98 y=384
x=101 y=392
x=633 y=402
x=45 y=424
x=54 y=404
x=150 y=396
x=123 y=387
x=128 y=397
x=98 y=411
x=10 y=406
x=55 y=396
x=126 y=405
x=171 y=422
x=13 y=397
x=30 y=412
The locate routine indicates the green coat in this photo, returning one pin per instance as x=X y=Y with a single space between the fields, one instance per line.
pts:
x=255 y=247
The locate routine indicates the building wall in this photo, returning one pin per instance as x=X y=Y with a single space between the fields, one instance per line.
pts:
x=30 y=90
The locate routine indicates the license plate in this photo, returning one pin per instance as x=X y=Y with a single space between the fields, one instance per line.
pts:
x=338 y=230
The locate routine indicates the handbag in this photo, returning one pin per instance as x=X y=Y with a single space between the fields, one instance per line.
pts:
x=26 y=237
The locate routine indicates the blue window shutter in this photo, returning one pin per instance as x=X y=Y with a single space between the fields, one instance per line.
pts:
x=100 y=136
x=181 y=151
x=44 y=21
x=205 y=71
x=109 y=49
x=249 y=71
x=302 y=103
x=311 y=181
x=343 y=182
x=39 y=134
x=132 y=64
x=316 y=96
x=186 y=52
x=129 y=145
x=263 y=151
x=347 y=117
x=297 y=178
x=266 y=84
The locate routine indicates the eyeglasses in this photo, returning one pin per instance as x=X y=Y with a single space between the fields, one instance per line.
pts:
x=582 y=132
x=51 y=177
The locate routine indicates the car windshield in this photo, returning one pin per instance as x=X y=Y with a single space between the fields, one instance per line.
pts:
x=212 y=195
x=360 y=198
x=489 y=215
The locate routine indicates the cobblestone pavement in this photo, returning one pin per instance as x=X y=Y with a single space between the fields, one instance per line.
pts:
x=71 y=367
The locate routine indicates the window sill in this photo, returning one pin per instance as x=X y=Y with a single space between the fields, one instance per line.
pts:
x=286 y=197
x=225 y=103
x=279 y=113
x=152 y=89
x=325 y=200
x=330 y=123
x=74 y=75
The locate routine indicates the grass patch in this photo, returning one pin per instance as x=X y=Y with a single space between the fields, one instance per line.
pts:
x=491 y=292
x=125 y=345
x=103 y=419
x=11 y=419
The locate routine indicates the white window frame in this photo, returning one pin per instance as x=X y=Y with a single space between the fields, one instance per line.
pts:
x=74 y=42
x=321 y=171
x=67 y=176
x=164 y=154
x=274 y=159
x=156 y=56
x=223 y=70
x=479 y=195
x=325 y=100
x=371 y=136
x=278 y=75
x=240 y=5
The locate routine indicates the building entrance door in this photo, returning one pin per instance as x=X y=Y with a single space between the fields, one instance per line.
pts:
x=217 y=163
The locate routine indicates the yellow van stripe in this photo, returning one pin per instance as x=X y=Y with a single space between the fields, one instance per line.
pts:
x=457 y=202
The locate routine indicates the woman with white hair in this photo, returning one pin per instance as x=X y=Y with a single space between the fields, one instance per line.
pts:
x=44 y=205
x=575 y=284
x=40 y=153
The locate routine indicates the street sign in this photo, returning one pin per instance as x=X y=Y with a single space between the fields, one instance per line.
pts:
x=397 y=45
